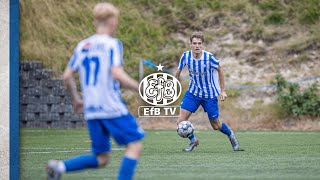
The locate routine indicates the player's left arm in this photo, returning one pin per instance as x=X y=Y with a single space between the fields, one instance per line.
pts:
x=223 y=94
x=117 y=71
x=125 y=80
x=71 y=86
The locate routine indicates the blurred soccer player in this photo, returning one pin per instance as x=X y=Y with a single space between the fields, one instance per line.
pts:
x=98 y=60
x=206 y=83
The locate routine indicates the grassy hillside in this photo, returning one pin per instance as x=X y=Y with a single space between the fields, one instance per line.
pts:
x=148 y=28
x=255 y=40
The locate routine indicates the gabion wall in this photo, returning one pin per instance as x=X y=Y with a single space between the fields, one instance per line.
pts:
x=44 y=101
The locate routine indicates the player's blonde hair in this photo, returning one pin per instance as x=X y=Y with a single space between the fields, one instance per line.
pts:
x=103 y=12
x=197 y=34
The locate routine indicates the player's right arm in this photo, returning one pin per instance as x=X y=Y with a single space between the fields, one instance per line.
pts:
x=71 y=86
x=70 y=83
x=177 y=74
x=181 y=65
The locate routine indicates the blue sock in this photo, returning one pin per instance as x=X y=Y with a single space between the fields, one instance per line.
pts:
x=81 y=162
x=225 y=129
x=127 y=168
x=193 y=138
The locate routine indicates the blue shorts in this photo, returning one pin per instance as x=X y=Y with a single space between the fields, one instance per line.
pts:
x=123 y=129
x=191 y=103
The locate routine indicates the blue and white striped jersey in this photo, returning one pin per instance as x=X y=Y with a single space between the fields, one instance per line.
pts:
x=93 y=59
x=204 y=77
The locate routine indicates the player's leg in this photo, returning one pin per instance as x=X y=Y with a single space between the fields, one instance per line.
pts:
x=211 y=107
x=100 y=153
x=222 y=127
x=126 y=131
x=184 y=115
x=189 y=105
x=217 y=125
x=130 y=160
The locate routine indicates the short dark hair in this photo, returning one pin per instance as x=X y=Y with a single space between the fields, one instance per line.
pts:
x=197 y=34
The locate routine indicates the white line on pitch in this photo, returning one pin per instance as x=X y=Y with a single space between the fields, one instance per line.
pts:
x=69 y=151
x=51 y=148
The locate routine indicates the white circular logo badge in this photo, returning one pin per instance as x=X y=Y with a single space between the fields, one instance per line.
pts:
x=160 y=89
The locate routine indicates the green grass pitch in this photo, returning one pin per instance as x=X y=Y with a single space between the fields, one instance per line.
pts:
x=267 y=155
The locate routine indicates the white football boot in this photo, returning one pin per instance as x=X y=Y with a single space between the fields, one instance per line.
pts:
x=234 y=142
x=191 y=146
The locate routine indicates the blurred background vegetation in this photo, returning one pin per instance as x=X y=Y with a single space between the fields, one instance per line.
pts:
x=295 y=102
x=159 y=29
x=51 y=29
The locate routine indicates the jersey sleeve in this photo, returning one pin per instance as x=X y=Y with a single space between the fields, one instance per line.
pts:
x=182 y=62
x=73 y=62
x=116 y=54
x=214 y=62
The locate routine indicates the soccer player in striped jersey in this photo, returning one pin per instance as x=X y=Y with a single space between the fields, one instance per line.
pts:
x=206 y=83
x=98 y=60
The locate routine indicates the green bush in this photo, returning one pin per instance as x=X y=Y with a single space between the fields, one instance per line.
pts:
x=270 y=5
x=295 y=102
x=307 y=12
x=274 y=18
x=310 y=15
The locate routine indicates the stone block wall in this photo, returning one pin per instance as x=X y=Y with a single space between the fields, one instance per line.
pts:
x=44 y=101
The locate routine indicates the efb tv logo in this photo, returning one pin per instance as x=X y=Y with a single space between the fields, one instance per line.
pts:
x=159 y=90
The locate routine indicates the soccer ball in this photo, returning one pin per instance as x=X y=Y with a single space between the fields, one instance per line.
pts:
x=185 y=129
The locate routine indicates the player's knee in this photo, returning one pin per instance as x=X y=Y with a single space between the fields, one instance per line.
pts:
x=137 y=146
x=179 y=120
x=216 y=125
x=103 y=159
x=134 y=149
